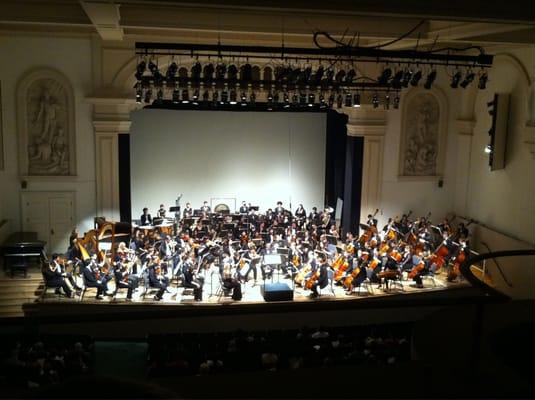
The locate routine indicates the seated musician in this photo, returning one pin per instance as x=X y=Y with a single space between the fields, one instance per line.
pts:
x=418 y=276
x=322 y=280
x=54 y=277
x=194 y=282
x=93 y=279
x=314 y=217
x=161 y=211
x=371 y=221
x=157 y=279
x=279 y=210
x=123 y=279
x=145 y=218
x=230 y=282
x=390 y=271
x=244 y=209
x=188 y=211
x=362 y=274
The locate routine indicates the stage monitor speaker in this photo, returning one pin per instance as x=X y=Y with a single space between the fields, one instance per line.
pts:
x=499 y=110
x=277 y=292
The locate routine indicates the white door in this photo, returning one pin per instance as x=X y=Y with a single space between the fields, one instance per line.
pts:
x=51 y=215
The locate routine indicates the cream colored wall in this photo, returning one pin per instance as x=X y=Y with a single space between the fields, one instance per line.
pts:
x=504 y=199
x=71 y=56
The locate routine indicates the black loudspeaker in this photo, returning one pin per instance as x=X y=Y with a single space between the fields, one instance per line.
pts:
x=277 y=292
x=499 y=110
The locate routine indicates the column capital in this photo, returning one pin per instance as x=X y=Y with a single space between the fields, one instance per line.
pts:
x=366 y=121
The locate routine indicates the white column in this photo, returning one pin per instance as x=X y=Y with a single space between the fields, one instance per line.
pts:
x=370 y=124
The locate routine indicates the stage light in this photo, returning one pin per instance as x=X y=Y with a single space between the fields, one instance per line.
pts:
x=233 y=97
x=385 y=76
x=286 y=98
x=276 y=97
x=407 y=76
x=152 y=66
x=430 y=79
x=322 y=101
x=483 y=78
x=196 y=70
x=224 y=97
x=396 y=80
x=246 y=73
x=340 y=75
x=396 y=101
x=416 y=78
x=232 y=73
x=375 y=100
x=171 y=71
x=206 y=96
x=318 y=75
x=208 y=72
x=270 y=97
x=387 y=102
x=140 y=69
x=488 y=149
x=455 y=79
x=185 y=96
x=176 y=95
x=311 y=99
x=159 y=95
x=252 y=98
x=139 y=94
x=339 y=101
x=243 y=99
x=295 y=99
x=347 y=102
x=331 y=101
x=302 y=98
x=196 y=97
x=468 y=79
x=215 y=97
x=148 y=95
x=329 y=76
x=356 y=100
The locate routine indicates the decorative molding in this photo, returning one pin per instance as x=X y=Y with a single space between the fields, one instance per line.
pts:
x=465 y=126
x=366 y=129
x=111 y=127
x=45 y=124
x=372 y=173
x=529 y=139
x=425 y=116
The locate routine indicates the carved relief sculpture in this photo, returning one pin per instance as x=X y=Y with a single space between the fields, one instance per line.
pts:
x=421 y=139
x=46 y=122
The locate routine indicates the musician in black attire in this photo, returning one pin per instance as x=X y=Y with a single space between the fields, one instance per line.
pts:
x=279 y=210
x=323 y=279
x=314 y=216
x=301 y=215
x=244 y=209
x=188 y=211
x=54 y=278
x=193 y=282
x=371 y=221
x=92 y=281
x=161 y=211
x=145 y=218
x=205 y=208
x=124 y=280
x=158 y=281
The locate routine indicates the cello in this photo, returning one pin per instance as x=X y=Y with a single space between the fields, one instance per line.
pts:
x=370 y=231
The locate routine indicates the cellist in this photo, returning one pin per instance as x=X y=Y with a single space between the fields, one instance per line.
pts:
x=320 y=277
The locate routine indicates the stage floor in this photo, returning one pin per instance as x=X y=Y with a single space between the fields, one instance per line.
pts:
x=252 y=293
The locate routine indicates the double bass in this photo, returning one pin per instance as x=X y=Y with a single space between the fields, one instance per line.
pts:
x=367 y=235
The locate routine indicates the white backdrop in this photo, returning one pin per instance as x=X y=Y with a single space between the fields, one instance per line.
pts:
x=257 y=157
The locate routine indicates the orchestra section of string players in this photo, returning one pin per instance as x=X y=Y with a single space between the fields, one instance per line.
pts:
x=196 y=245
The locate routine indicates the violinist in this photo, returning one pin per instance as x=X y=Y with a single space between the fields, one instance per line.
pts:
x=230 y=282
x=250 y=265
x=123 y=279
x=322 y=280
x=157 y=279
x=93 y=278
x=54 y=277
x=145 y=218
x=192 y=281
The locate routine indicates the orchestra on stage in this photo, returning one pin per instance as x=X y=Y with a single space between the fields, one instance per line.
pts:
x=230 y=248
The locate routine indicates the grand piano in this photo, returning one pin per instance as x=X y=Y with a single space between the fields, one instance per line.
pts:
x=19 y=249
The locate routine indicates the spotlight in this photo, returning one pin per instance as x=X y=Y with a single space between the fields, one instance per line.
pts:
x=375 y=100
x=233 y=97
x=159 y=95
x=430 y=79
x=196 y=97
x=224 y=97
x=295 y=99
x=196 y=71
x=311 y=99
x=396 y=80
x=171 y=71
x=139 y=93
x=232 y=73
x=286 y=98
x=356 y=100
x=407 y=75
x=488 y=149
x=416 y=78
x=185 y=96
x=483 y=78
x=243 y=99
x=322 y=101
x=215 y=97
x=331 y=101
x=176 y=95
x=302 y=98
x=385 y=76
x=456 y=78
x=205 y=96
x=387 y=102
x=350 y=76
x=339 y=101
x=270 y=97
x=396 y=101
x=318 y=75
x=468 y=79
x=220 y=71
x=246 y=73
x=347 y=102
x=153 y=68
x=276 y=97
x=140 y=69
x=329 y=76
x=148 y=95
x=340 y=75
x=252 y=98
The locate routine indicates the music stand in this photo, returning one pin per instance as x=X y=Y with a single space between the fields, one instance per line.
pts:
x=236 y=217
x=254 y=208
x=197 y=213
x=273 y=260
